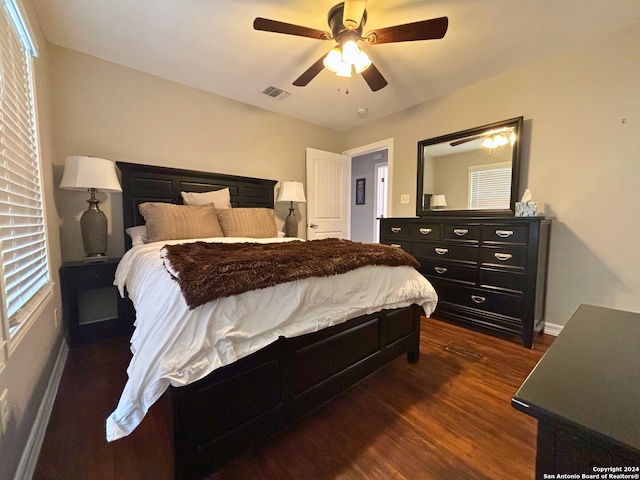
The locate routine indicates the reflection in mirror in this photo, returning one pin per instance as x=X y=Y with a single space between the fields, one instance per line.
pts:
x=473 y=171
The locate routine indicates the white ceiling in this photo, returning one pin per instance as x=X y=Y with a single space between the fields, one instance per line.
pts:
x=211 y=45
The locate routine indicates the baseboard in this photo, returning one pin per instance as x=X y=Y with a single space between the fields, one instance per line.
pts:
x=29 y=458
x=552 y=328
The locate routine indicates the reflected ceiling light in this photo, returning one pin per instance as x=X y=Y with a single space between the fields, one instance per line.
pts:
x=495 y=141
x=498 y=138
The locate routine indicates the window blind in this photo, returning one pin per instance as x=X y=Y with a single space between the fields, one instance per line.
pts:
x=23 y=246
x=490 y=186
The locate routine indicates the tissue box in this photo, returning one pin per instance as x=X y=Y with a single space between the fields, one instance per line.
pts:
x=526 y=209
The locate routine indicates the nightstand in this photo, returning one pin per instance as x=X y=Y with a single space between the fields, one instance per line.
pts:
x=91 y=304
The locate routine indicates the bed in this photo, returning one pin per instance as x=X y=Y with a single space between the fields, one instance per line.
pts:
x=240 y=403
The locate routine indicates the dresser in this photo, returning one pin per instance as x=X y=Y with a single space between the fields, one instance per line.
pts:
x=489 y=272
x=584 y=393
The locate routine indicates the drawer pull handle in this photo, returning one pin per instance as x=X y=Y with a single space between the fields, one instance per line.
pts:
x=396 y=245
x=441 y=251
x=395 y=229
x=503 y=256
x=425 y=231
x=460 y=231
x=477 y=299
x=504 y=233
x=440 y=270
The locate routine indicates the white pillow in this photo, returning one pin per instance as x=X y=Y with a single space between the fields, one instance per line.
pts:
x=139 y=235
x=220 y=198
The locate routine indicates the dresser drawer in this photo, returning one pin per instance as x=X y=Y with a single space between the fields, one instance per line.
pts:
x=503 y=256
x=427 y=231
x=464 y=253
x=494 y=302
x=403 y=244
x=463 y=233
x=513 y=234
x=391 y=229
x=447 y=271
x=512 y=281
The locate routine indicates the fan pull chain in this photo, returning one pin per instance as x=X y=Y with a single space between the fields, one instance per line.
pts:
x=346 y=90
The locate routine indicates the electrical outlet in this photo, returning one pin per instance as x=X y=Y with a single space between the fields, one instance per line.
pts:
x=404 y=199
x=4 y=411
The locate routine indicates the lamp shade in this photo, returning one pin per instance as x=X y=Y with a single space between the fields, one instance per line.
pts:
x=83 y=173
x=291 y=192
x=438 y=201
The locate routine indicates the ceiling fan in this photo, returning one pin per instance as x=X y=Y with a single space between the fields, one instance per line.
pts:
x=492 y=138
x=346 y=21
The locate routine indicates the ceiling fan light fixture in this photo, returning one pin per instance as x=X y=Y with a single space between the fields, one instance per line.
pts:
x=350 y=52
x=333 y=60
x=362 y=62
x=344 y=70
x=495 y=141
x=352 y=13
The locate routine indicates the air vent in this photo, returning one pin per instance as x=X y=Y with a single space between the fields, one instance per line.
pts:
x=275 y=92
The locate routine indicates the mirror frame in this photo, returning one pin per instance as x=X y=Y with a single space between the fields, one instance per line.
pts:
x=516 y=123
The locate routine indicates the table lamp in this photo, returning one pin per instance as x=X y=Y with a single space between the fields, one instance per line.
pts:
x=291 y=192
x=438 y=201
x=92 y=174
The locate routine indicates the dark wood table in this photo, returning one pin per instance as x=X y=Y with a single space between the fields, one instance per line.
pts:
x=585 y=393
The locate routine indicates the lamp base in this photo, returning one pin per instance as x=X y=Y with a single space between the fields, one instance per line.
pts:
x=93 y=225
x=95 y=259
x=291 y=225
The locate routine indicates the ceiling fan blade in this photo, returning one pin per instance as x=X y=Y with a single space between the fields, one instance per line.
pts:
x=432 y=29
x=275 y=26
x=374 y=78
x=310 y=73
x=465 y=140
x=352 y=13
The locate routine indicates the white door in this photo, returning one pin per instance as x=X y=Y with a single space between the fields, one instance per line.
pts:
x=328 y=193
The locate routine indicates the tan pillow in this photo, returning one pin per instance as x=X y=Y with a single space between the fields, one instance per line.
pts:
x=248 y=222
x=220 y=198
x=166 y=221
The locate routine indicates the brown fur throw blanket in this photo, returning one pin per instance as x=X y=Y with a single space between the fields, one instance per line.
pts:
x=206 y=271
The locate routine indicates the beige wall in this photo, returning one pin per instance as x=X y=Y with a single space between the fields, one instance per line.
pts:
x=31 y=360
x=109 y=111
x=581 y=160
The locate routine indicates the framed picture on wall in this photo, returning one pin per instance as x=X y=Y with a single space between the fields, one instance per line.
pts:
x=360 y=191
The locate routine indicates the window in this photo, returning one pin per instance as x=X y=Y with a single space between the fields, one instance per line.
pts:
x=23 y=247
x=490 y=186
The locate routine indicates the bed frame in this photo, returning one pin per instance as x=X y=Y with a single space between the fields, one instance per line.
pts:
x=239 y=405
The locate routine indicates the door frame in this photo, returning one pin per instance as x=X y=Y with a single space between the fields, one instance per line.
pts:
x=376 y=169
x=386 y=144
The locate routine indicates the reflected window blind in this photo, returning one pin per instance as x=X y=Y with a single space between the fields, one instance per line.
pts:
x=490 y=186
x=22 y=233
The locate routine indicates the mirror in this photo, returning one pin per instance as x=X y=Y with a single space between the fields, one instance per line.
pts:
x=470 y=172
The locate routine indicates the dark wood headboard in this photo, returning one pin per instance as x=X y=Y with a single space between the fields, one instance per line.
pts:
x=147 y=183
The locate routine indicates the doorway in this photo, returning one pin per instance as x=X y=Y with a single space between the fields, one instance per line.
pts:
x=331 y=196
x=370 y=189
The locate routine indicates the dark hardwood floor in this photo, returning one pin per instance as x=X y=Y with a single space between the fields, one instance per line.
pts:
x=447 y=417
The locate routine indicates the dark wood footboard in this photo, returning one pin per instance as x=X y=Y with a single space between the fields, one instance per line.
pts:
x=241 y=404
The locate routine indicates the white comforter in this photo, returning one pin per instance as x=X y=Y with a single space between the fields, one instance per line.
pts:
x=173 y=345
